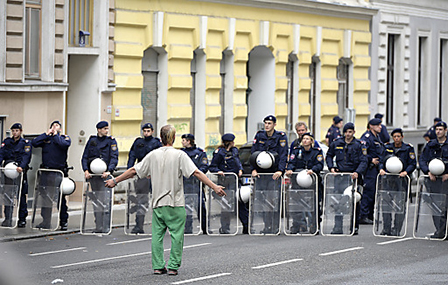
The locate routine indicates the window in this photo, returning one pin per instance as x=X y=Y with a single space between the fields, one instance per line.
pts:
x=222 y=93
x=32 y=38
x=390 y=79
x=81 y=19
x=443 y=75
x=312 y=98
x=193 y=93
x=343 y=98
x=420 y=77
x=290 y=97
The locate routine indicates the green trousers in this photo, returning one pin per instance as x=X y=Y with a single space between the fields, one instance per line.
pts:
x=173 y=219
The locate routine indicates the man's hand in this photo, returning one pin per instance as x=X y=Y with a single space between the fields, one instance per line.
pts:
x=276 y=175
x=375 y=160
x=19 y=169
x=87 y=174
x=432 y=177
x=219 y=190
x=333 y=170
x=309 y=172
x=240 y=173
x=221 y=173
x=110 y=183
x=105 y=174
x=288 y=172
x=255 y=173
x=382 y=172
x=354 y=175
x=403 y=174
x=444 y=177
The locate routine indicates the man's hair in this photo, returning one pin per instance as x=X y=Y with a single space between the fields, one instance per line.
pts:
x=299 y=124
x=167 y=134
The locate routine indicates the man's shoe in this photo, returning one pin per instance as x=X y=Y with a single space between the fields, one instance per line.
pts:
x=172 y=272
x=355 y=233
x=44 y=225
x=137 y=230
x=223 y=231
x=63 y=226
x=386 y=232
x=438 y=235
x=245 y=230
x=365 y=221
x=337 y=231
x=7 y=223
x=160 y=271
x=21 y=224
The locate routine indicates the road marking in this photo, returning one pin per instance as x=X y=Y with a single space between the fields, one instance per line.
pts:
x=394 y=241
x=277 y=263
x=340 y=251
x=56 y=251
x=201 y=278
x=129 y=241
x=119 y=257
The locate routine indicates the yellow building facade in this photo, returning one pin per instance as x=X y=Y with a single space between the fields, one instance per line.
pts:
x=223 y=67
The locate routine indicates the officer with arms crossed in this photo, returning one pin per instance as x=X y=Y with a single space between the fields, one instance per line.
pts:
x=351 y=157
x=139 y=149
x=104 y=147
x=54 y=156
x=18 y=150
x=405 y=152
x=437 y=148
x=334 y=131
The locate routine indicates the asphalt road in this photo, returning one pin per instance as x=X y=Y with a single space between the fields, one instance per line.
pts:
x=241 y=259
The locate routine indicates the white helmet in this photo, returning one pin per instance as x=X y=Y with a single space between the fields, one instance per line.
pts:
x=303 y=179
x=436 y=167
x=244 y=193
x=348 y=192
x=98 y=166
x=265 y=160
x=68 y=186
x=394 y=165
x=11 y=170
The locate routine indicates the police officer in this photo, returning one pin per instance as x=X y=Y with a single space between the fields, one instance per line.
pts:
x=104 y=147
x=226 y=159
x=18 y=150
x=199 y=157
x=54 y=156
x=406 y=153
x=275 y=142
x=301 y=128
x=384 y=135
x=350 y=154
x=139 y=149
x=305 y=156
x=431 y=133
x=375 y=152
x=334 y=131
x=437 y=148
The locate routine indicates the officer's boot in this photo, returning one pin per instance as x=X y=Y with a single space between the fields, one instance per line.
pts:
x=398 y=224
x=139 y=221
x=387 y=224
x=8 y=219
x=337 y=229
x=46 y=218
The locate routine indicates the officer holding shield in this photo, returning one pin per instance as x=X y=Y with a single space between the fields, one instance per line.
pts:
x=140 y=148
x=18 y=150
x=54 y=156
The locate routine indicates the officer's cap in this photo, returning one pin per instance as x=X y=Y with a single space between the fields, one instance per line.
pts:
x=437 y=119
x=426 y=136
x=375 y=122
x=397 y=130
x=270 y=118
x=379 y=116
x=441 y=124
x=308 y=134
x=102 y=124
x=16 y=126
x=147 y=126
x=348 y=126
x=188 y=136
x=228 y=137
x=55 y=122
x=337 y=119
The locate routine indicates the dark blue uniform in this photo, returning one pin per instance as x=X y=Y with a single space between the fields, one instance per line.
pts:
x=19 y=152
x=54 y=156
x=100 y=147
x=141 y=147
x=297 y=142
x=375 y=149
x=333 y=133
x=431 y=133
x=278 y=143
x=199 y=157
x=384 y=135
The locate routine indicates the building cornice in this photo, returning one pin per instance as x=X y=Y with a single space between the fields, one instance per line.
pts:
x=411 y=10
x=34 y=86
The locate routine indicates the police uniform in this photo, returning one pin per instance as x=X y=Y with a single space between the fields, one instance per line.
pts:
x=333 y=133
x=141 y=147
x=406 y=154
x=19 y=152
x=296 y=144
x=384 y=135
x=54 y=156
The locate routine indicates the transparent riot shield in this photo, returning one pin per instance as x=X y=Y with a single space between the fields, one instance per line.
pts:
x=222 y=212
x=47 y=199
x=10 y=188
x=265 y=205
x=193 y=205
x=97 y=199
x=301 y=206
x=138 y=207
x=431 y=209
x=339 y=205
x=391 y=205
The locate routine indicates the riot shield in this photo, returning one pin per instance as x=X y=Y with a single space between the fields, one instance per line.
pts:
x=301 y=206
x=138 y=207
x=47 y=199
x=339 y=206
x=265 y=205
x=391 y=205
x=431 y=209
x=10 y=188
x=193 y=205
x=222 y=212
x=97 y=199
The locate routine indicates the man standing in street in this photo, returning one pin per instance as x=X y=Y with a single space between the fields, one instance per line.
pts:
x=166 y=166
x=334 y=131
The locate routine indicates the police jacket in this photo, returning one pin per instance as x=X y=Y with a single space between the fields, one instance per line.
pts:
x=296 y=143
x=405 y=153
x=100 y=147
x=54 y=150
x=311 y=159
x=278 y=143
x=226 y=161
x=350 y=157
x=333 y=133
x=433 y=149
x=198 y=156
x=375 y=148
x=18 y=151
x=141 y=147
x=384 y=135
x=431 y=133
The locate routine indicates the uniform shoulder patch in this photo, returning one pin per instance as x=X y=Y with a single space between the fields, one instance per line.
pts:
x=113 y=147
x=27 y=148
x=364 y=151
x=205 y=160
x=282 y=143
x=412 y=155
x=320 y=157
